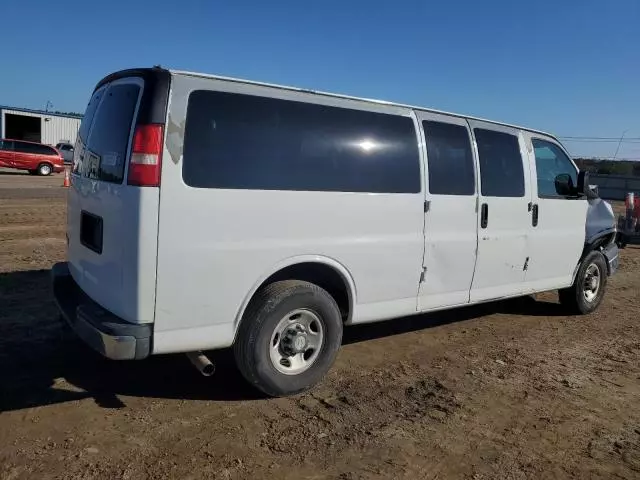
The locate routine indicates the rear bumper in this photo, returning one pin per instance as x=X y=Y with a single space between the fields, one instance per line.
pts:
x=100 y=329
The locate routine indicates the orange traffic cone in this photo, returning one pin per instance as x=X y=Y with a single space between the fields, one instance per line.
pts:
x=67 y=180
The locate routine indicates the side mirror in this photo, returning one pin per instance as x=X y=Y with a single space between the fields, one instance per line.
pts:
x=564 y=185
x=585 y=188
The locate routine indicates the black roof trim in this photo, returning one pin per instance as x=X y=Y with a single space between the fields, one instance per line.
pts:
x=131 y=72
x=155 y=96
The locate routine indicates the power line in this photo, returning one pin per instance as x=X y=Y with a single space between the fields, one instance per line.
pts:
x=568 y=140
x=599 y=138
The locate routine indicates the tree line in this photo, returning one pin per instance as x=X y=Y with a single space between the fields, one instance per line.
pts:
x=609 y=167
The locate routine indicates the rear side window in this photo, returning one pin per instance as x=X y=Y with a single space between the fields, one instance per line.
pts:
x=501 y=170
x=450 y=160
x=33 y=148
x=6 y=145
x=107 y=124
x=237 y=141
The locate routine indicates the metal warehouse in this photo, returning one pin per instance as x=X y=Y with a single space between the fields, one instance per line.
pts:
x=38 y=125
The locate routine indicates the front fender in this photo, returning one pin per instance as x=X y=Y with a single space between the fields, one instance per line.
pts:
x=605 y=241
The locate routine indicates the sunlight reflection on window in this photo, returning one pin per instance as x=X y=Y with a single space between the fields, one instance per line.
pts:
x=368 y=145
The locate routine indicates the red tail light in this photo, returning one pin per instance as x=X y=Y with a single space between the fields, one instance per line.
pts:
x=146 y=156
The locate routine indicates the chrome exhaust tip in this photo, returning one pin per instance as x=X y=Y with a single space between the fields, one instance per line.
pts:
x=202 y=363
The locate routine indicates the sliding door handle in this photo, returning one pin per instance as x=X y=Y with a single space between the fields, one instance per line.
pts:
x=484 y=215
x=534 y=215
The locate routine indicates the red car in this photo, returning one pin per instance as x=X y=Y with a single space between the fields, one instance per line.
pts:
x=37 y=158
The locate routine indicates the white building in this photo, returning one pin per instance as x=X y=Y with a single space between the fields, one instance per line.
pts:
x=38 y=126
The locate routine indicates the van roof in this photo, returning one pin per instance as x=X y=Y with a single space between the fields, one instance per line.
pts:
x=349 y=97
x=146 y=72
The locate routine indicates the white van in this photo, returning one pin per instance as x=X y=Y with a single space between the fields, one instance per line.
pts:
x=209 y=212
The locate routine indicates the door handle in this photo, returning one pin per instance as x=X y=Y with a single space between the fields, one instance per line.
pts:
x=534 y=215
x=484 y=215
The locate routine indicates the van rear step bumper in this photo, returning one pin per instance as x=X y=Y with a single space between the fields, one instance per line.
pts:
x=103 y=331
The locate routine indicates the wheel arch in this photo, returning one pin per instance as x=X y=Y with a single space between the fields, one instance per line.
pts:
x=602 y=239
x=307 y=267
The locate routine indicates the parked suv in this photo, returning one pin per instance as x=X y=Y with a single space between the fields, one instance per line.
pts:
x=66 y=149
x=36 y=158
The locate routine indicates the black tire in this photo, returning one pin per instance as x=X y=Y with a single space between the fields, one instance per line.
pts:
x=45 y=169
x=265 y=311
x=574 y=298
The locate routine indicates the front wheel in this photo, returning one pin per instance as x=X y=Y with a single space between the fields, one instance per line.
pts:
x=587 y=291
x=288 y=338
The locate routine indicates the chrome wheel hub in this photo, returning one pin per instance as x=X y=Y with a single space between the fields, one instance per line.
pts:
x=296 y=342
x=591 y=285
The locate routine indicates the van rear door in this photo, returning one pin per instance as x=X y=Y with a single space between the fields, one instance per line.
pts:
x=112 y=220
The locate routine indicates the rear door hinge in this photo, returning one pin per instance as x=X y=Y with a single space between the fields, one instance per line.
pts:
x=423 y=274
x=427 y=206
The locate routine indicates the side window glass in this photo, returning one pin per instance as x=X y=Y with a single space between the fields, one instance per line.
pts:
x=240 y=141
x=23 y=147
x=449 y=159
x=551 y=161
x=501 y=169
x=42 y=150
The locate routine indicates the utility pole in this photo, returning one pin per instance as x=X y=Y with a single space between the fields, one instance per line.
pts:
x=46 y=107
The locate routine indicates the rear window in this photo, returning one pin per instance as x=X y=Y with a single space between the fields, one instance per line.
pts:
x=237 y=141
x=104 y=133
x=33 y=148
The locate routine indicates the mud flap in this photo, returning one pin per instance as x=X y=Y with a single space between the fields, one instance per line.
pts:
x=612 y=254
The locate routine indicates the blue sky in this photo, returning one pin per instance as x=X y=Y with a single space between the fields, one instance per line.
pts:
x=571 y=67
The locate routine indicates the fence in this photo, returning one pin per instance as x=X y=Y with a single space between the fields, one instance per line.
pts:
x=615 y=187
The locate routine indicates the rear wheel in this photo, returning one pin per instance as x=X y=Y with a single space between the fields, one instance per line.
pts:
x=288 y=338
x=44 y=169
x=587 y=291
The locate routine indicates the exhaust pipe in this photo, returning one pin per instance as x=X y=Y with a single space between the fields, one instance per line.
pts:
x=202 y=363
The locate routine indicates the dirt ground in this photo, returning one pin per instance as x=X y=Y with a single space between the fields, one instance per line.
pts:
x=508 y=390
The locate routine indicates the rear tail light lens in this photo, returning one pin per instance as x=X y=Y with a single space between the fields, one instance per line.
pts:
x=146 y=156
